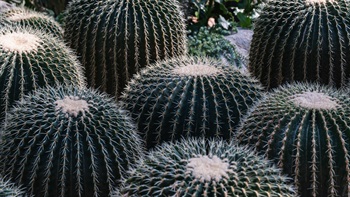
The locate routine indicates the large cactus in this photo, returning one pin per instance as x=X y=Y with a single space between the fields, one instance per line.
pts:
x=189 y=96
x=115 y=38
x=302 y=40
x=8 y=189
x=30 y=59
x=68 y=142
x=305 y=129
x=196 y=167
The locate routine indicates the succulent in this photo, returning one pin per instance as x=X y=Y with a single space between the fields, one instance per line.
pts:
x=302 y=40
x=115 y=38
x=304 y=128
x=8 y=189
x=30 y=59
x=196 y=167
x=68 y=142
x=28 y=18
x=189 y=96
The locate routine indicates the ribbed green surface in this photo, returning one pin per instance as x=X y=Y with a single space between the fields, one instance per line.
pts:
x=165 y=172
x=8 y=189
x=28 y=18
x=115 y=38
x=168 y=106
x=309 y=144
x=298 y=41
x=56 y=153
x=21 y=71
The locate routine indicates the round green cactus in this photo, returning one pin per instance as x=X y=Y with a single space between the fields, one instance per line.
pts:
x=68 y=142
x=305 y=129
x=115 y=38
x=8 y=189
x=195 y=167
x=28 y=18
x=189 y=96
x=30 y=59
x=302 y=40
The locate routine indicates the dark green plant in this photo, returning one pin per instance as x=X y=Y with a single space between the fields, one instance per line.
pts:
x=189 y=96
x=25 y=17
x=115 y=39
x=196 y=167
x=211 y=44
x=302 y=40
x=30 y=59
x=8 y=189
x=305 y=129
x=68 y=142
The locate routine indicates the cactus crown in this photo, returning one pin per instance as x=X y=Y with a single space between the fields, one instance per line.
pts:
x=314 y=100
x=196 y=70
x=72 y=105
x=19 y=42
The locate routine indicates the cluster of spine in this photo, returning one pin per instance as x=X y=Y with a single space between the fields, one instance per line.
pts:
x=24 y=17
x=189 y=96
x=8 y=189
x=304 y=128
x=196 y=167
x=302 y=40
x=68 y=142
x=30 y=59
x=114 y=39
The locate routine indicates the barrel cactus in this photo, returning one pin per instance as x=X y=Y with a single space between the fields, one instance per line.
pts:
x=68 y=142
x=8 y=189
x=28 y=18
x=305 y=129
x=115 y=38
x=189 y=96
x=302 y=40
x=195 y=167
x=30 y=59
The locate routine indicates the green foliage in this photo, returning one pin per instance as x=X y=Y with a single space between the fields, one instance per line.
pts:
x=207 y=42
x=304 y=128
x=189 y=96
x=299 y=40
x=68 y=141
x=115 y=39
x=8 y=189
x=205 y=168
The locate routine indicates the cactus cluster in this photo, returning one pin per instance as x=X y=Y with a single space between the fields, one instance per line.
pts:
x=114 y=39
x=24 y=17
x=304 y=128
x=8 y=189
x=189 y=96
x=198 y=167
x=302 y=40
x=68 y=141
x=30 y=59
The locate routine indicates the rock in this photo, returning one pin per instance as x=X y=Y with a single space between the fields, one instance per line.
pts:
x=241 y=41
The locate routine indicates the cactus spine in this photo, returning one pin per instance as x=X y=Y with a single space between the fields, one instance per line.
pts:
x=30 y=59
x=195 y=167
x=68 y=142
x=116 y=38
x=302 y=40
x=305 y=129
x=8 y=189
x=189 y=96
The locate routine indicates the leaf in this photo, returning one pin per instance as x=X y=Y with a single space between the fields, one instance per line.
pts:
x=244 y=21
x=223 y=22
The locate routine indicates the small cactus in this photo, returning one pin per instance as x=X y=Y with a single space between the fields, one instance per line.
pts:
x=305 y=129
x=302 y=40
x=25 y=17
x=8 y=189
x=30 y=59
x=115 y=38
x=196 y=167
x=189 y=96
x=68 y=142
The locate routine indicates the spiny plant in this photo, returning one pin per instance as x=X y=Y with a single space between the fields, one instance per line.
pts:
x=25 y=17
x=8 y=189
x=115 y=38
x=302 y=40
x=68 y=142
x=196 y=167
x=30 y=59
x=305 y=129
x=189 y=96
